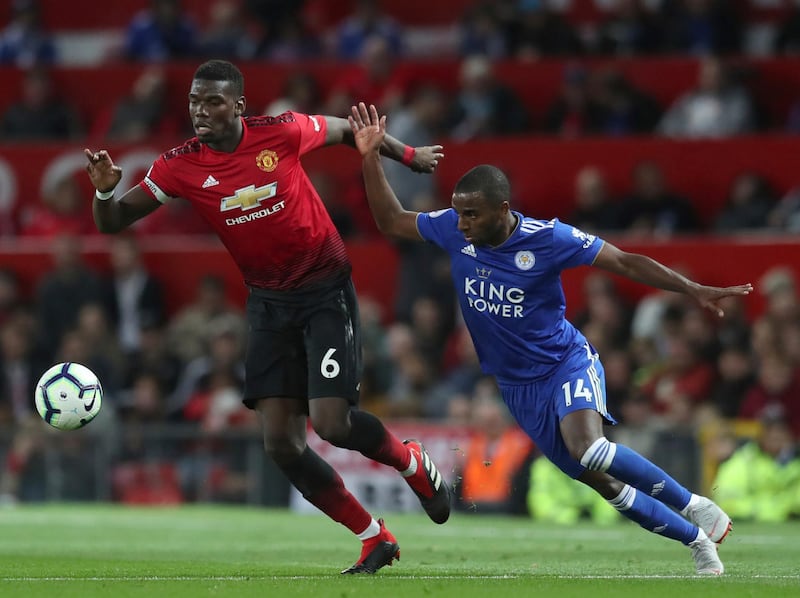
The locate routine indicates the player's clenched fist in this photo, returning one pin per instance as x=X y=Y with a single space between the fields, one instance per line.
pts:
x=103 y=173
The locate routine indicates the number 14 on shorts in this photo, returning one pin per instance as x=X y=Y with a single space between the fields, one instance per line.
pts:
x=580 y=391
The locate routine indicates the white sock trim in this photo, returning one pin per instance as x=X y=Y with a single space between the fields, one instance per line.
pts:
x=373 y=529
x=599 y=456
x=624 y=500
x=412 y=466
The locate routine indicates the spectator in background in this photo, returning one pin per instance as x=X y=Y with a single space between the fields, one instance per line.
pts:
x=594 y=211
x=575 y=112
x=750 y=201
x=483 y=106
x=39 y=114
x=702 y=27
x=227 y=35
x=760 y=481
x=375 y=79
x=152 y=358
x=680 y=387
x=11 y=299
x=717 y=107
x=775 y=388
x=630 y=29
x=211 y=385
x=293 y=43
x=141 y=113
x=496 y=462
x=652 y=209
x=186 y=335
x=134 y=295
x=340 y=212
x=367 y=21
x=787 y=37
x=23 y=42
x=61 y=210
x=538 y=31
x=735 y=376
x=624 y=110
x=63 y=291
x=481 y=32
x=785 y=215
x=162 y=33
x=420 y=122
x=300 y=93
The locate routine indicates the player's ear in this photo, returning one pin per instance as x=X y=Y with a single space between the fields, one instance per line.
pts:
x=238 y=109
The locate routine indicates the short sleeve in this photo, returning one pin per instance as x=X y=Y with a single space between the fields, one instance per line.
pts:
x=313 y=131
x=436 y=226
x=159 y=182
x=572 y=247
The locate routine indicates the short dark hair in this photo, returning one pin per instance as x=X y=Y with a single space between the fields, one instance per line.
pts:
x=487 y=180
x=221 y=70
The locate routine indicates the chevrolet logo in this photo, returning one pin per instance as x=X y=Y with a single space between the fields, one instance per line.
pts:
x=248 y=197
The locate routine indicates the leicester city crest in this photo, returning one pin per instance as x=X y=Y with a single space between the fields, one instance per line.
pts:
x=524 y=260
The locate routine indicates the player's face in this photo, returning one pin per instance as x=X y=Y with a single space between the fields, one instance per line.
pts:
x=214 y=110
x=479 y=220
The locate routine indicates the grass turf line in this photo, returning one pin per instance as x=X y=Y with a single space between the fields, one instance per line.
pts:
x=110 y=550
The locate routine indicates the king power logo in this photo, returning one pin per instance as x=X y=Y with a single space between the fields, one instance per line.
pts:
x=495 y=299
x=247 y=198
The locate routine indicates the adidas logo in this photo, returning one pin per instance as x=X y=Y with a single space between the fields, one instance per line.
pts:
x=210 y=182
x=657 y=488
x=433 y=473
x=469 y=250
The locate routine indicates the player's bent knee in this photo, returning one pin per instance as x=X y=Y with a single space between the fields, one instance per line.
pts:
x=599 y=455
x=334 y=432
x=284 y=450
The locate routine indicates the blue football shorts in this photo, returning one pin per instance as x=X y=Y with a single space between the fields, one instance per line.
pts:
x=578 y=383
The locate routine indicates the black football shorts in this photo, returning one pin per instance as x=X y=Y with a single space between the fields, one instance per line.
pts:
x=304 y=344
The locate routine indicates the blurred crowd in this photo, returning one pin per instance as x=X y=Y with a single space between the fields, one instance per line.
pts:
x=670 y=366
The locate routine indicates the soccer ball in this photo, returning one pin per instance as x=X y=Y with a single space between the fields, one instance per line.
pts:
x=68 y=396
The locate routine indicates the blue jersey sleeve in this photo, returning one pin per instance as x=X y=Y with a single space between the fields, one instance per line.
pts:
x=438 y=227
x=572 y=247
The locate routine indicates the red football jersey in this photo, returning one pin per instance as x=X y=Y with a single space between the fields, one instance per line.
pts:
x=259 y=200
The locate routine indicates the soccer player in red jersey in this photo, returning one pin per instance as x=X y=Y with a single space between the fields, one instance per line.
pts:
x=244 y=176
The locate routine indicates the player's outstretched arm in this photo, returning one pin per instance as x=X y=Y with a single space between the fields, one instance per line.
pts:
x=650 y=272
x=369 y=132
x=424 y=158
x=111 y=215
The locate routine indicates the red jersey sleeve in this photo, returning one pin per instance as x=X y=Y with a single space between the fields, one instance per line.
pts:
x=159 y=181
x=313 y=130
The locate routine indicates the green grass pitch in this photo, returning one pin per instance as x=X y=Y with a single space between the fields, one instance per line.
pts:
x=106 y=550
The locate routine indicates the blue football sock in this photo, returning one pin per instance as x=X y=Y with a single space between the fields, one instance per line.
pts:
x=652 y=515
x=630 y=467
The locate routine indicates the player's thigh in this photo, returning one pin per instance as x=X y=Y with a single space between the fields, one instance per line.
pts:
x=534 y=408
x=333 y=348
x=284 y=422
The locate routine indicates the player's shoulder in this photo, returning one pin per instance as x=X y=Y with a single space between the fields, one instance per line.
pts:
x=533 y=226
x=265 y=120
x=188 y=147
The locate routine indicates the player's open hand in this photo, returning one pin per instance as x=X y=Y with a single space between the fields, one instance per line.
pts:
x=103 y=173
x=709 y=297
x=369 y=130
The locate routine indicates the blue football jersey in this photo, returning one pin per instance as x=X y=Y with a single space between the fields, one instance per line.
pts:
x=511 y=295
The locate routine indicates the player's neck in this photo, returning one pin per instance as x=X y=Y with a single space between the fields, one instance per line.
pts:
x=230 y=143
x=508 y=229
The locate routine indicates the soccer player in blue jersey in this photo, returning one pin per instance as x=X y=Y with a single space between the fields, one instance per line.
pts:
x=506 y=269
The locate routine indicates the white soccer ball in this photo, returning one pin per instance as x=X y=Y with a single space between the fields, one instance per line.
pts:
x=68 y=396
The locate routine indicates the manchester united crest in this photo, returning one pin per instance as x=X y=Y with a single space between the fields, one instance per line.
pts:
x=267 y=160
